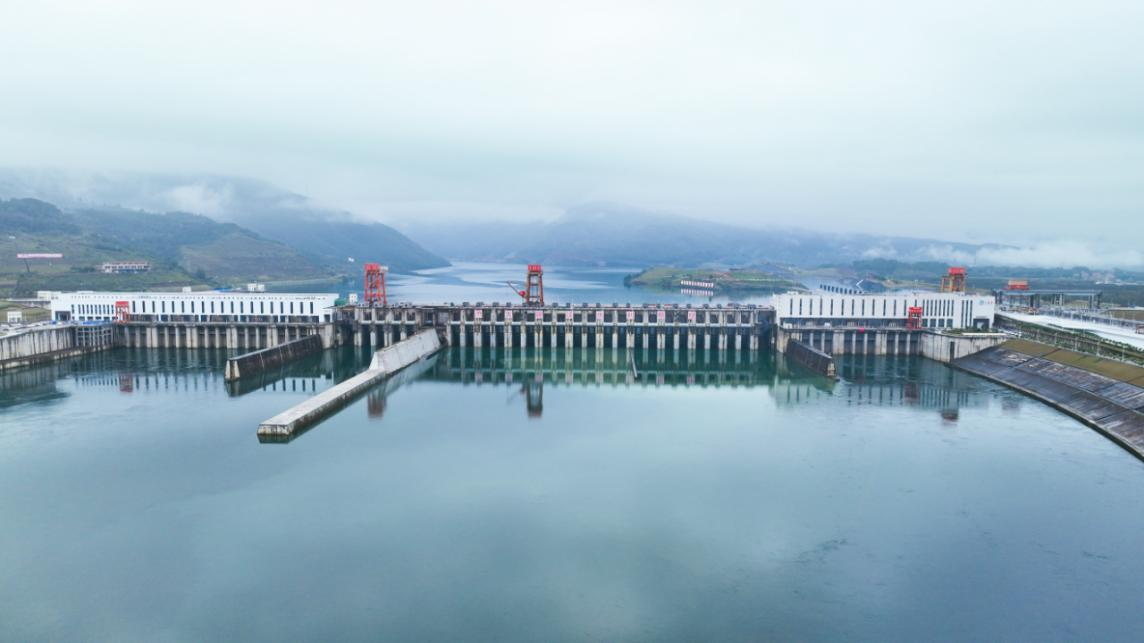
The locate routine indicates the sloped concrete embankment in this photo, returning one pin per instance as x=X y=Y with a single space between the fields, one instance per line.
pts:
x=1104 y=394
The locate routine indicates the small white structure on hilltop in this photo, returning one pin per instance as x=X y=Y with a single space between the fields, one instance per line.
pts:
x=254 y=286
x=124 y=267
x=15 y=316
x=352 y=298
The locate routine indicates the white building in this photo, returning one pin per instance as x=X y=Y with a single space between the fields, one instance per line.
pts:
x=885 y=310
x=15 y=316
x=203 y=306
x=116 y=267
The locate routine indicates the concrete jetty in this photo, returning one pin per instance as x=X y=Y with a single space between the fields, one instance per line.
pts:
x=385 y=362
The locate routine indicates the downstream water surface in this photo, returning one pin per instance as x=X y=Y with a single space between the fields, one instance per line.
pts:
x=558 y=496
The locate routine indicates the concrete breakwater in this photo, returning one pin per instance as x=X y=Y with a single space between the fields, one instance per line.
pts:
x=386 y=362
x=274 y=357
x=1104 y=394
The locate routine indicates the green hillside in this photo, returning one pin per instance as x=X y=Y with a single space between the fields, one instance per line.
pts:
x=183 y=249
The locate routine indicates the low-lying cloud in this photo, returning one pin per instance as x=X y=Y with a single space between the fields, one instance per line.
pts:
x=1051 y=254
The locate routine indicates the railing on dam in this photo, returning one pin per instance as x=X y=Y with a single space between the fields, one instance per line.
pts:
x=658 y=326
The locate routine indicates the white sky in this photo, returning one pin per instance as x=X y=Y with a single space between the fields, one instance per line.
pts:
x=972 y=120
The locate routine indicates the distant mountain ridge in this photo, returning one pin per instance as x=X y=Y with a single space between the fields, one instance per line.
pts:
x=327 y=237
x=608 y=234
x=182 y=248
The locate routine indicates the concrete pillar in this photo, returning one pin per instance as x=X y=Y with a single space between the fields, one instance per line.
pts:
x=461 y=339
x=738 y=342
x=477 y=335
x=706 y=341
x=630 y=340
x=569 y=336
x=646 y=340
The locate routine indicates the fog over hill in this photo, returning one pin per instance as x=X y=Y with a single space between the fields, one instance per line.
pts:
x=610 y=234
x=328 y=236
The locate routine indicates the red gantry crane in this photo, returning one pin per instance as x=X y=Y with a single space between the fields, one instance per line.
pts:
x=375 y=284
x=954 y=281
x=533 y=292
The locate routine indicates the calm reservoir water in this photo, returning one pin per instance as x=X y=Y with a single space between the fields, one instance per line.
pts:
x=558 y=496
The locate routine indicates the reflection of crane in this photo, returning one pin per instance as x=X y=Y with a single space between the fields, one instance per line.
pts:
x=533 y=291
x=534 y=396
x=533 y=392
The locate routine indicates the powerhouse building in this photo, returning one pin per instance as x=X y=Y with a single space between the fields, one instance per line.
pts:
x=205 y=306
x=955 y=310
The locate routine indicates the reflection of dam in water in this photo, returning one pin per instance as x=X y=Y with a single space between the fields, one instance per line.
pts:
x=888 y=381
x=866 y=380
x=605 y=366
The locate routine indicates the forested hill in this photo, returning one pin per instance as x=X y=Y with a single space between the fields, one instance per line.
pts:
x=329 y=237
x=184 y=249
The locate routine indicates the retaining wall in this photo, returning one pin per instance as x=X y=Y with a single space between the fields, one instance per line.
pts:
x=946 y=348
x=274 y=357
x=811 y=358
x=39 y=345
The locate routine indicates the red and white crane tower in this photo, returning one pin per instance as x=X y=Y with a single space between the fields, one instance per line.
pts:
x=954 y=281
x=533 y=291
x=375 y=285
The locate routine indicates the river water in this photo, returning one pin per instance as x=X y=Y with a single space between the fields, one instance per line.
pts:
x=558 y=496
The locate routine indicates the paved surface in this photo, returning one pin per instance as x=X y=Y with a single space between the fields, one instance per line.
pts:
x=1114 y=333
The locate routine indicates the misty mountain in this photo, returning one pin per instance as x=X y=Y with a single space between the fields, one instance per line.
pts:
x=328 y=237
x=182 y=248
x=606 y=234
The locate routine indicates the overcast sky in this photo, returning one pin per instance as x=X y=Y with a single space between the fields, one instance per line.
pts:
x=979 y=120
